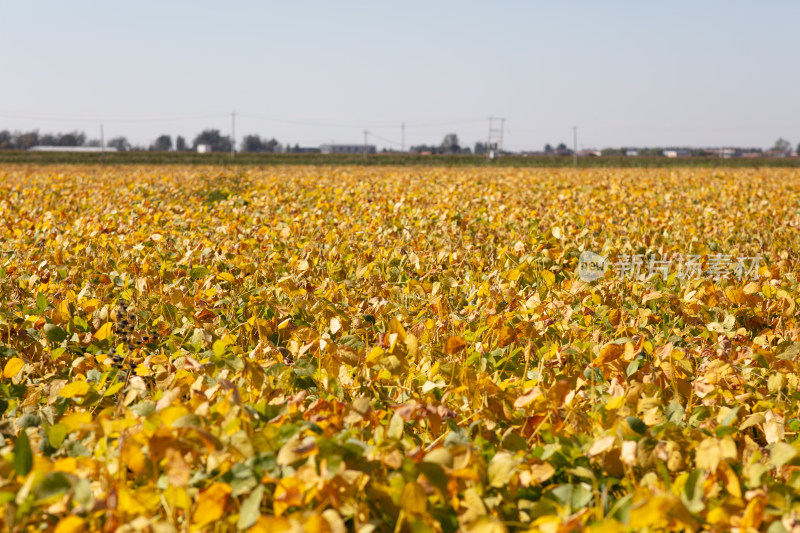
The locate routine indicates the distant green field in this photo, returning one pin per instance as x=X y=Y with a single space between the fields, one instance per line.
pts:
x=192 y=158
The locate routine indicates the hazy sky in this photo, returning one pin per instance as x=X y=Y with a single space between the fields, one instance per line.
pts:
x=689 y=73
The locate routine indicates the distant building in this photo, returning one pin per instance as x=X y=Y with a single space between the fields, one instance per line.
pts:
x=729 y=152
x=630 y=152
x=346 y=148
x=203 y=148
x=676 y=152
x=97 y=149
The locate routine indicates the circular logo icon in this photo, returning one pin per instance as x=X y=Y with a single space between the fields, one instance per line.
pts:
x=591 y=266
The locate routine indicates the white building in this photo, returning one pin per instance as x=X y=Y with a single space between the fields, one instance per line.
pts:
x=97 y=149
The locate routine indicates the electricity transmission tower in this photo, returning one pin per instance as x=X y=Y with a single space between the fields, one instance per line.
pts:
x=494 y=142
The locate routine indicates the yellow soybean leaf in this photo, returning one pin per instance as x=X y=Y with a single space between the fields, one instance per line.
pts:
x=454 y=345
x=271 y=524
x=608 y=354
x=753 y=514
x=12 y=368
x=414 y=498
x=128 y=503
x=113 y=389
x=103 y=332
x=133 y=457
x=90 y=304
x=177 y=497
x=615 y=403
x=211 y=504
x=288 y=493
x=374 y=354
x=70 y=524
x=74 y=421
x=729 y=479
x=76 y=388
x=549 y=278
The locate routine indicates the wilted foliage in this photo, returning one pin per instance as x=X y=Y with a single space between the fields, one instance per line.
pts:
x=396 y=349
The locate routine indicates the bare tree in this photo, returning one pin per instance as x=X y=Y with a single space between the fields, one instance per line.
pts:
x=783 y=146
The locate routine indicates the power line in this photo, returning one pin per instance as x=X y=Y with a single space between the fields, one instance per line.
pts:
x=359 y=125
x=248 y=115
x=384 y=139
x=62 y=118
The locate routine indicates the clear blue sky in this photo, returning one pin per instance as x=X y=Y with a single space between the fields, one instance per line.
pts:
x=630 y=73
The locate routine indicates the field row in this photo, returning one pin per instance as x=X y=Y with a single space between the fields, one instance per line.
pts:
x=398 y=349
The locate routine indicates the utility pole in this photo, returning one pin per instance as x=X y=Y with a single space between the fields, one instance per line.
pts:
x=365 y=144
x=575 y=145
x=102 y=146
x=496 y=134
x=233 y=134
x=489 y=141
x=403 y=137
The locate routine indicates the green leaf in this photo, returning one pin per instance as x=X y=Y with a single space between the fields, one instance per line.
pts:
x=633 y=366
x=353 y=341
x=722 y=431
x=57 y=352
x=80 y=324
x=396 y=427
x=782 y=453
x=692 y=495
x=777 y=527
x=113 y=389
x=57 y=434
x=250 y=510
x=54 y=484
x=41 y=303
x=581 y=496
x=23 y=457
x=636 y=425
x=144 y=408
x=199 y=272
x=562 y=493
x=788 y=350
x=54 y=333
x=29 y=420
x=187 y=421
x=675 y=413
x=730 y=417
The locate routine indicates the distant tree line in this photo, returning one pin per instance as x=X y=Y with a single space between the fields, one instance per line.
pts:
x=450 y=146
x=561 y=149
x=217 y=142
x=23 y=140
